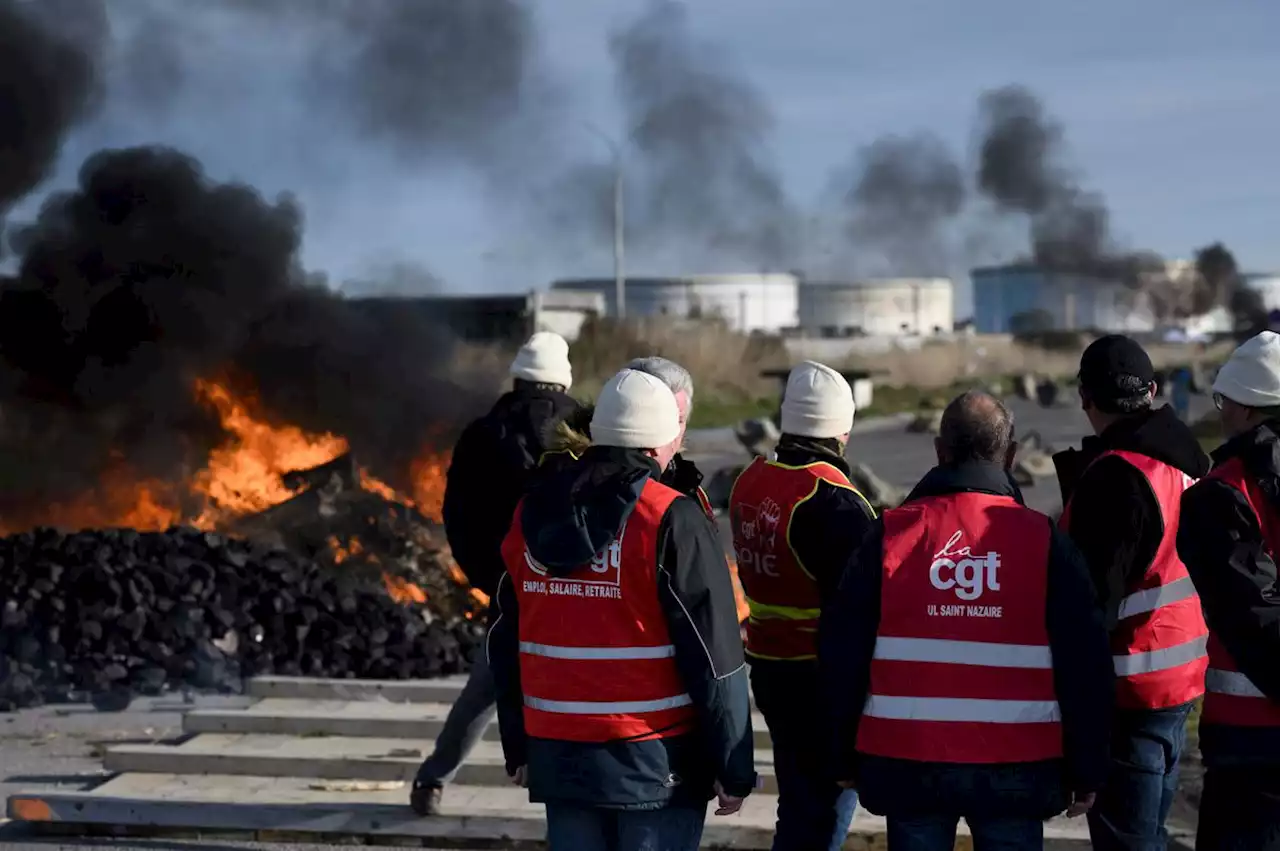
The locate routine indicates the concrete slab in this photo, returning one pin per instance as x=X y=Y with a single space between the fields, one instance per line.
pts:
x=444 y=690
x=297 y=717
x=332 y=758
x=291 y=807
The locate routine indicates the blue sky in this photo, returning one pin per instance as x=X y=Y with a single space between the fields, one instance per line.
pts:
x=1172 y=110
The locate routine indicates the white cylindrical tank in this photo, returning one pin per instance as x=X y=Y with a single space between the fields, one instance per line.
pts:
x=882 y=307
x=746 y=302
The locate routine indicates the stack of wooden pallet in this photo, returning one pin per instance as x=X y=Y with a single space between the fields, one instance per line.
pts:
x=333 y=759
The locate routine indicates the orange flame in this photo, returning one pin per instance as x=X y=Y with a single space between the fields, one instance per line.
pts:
x=403 y=591
x=242 y=476
x=740 y=596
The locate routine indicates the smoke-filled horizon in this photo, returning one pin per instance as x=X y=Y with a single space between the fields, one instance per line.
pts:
x=383 y=98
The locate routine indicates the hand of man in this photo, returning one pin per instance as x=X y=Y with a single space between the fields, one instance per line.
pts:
x=521 y=776
x=1081 y=803
x=728 y=804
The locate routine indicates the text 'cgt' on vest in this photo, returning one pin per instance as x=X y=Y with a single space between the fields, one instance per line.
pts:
x=1231 y=699
x=596 y=660
x=962 y=671
x=1158 y=643
x=782 y=596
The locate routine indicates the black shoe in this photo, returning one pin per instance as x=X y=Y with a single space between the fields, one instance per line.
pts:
x=425 y=799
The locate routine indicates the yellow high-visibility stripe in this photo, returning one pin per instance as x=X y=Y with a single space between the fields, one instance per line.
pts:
x=769 y=611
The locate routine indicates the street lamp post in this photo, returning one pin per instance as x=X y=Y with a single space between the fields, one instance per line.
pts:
x=619 y=224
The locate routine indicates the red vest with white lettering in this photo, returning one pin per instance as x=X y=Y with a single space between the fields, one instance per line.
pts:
x=1231 y=699
x=596 y=660
x=1158 y=643
x=962 y=670
x=782 y=595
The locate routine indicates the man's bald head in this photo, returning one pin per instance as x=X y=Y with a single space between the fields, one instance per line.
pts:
x=976 y=426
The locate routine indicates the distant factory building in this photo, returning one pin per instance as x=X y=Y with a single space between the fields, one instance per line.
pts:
x=1027 y=299
x=746 y=302
x=878 y=307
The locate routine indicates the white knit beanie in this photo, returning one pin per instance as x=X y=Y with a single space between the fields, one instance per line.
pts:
x=1251 y=376
x=818 y=402
x=544 y=359
x=635 y=410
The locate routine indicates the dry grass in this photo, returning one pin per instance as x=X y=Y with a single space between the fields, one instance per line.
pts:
x=725 y=364
x=949 y=362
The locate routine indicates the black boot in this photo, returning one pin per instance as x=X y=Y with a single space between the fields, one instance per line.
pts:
x=425 y=798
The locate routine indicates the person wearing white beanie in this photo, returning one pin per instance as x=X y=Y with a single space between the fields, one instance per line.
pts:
x=818 y=402
x=1247 y=389
x=635 y=410
x=490 y=467
x=618 y=594
x=544 y=359
x=796 y=519
x=1228 y=529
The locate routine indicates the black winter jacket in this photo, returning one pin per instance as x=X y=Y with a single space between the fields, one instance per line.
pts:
x=1083 y=679
x=1115 y=519
x=565 y=515
x=1221 y=544
x=489 y=472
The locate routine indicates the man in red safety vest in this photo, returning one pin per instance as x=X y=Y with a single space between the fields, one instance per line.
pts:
x=795 y=520
x=1122 y=492
x=1229 y=539
x=566 y=439
x=622 y=690
x=964 y=660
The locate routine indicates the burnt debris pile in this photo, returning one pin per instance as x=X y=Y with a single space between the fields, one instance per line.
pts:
x=108 y=614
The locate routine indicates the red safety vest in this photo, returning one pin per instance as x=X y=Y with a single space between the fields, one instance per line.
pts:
x=782 y=596
x=1231 y=699
x=1158 y=644
x=962 y=671
x=596 y=660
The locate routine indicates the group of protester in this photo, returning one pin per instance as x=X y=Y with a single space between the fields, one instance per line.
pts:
x=958 y=656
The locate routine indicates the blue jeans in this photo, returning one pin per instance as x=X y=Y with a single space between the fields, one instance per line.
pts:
x=575 y=827
x=469 y=717
x=938 y=833
x=1131 y=809
x=814 y=813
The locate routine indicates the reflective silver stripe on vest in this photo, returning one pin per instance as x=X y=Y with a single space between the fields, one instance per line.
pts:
x=622 y=707
x=983 y=653
x=552 y=651
x=962 y=709
x=1233 y=683
x=1160 y=660
x=1150 y=599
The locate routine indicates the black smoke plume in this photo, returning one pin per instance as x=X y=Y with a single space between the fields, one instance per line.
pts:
x=699 y=182
x=1021 y=170
x=147 y=277
x=48 y=83
x=1219 y=282
x=898 y=198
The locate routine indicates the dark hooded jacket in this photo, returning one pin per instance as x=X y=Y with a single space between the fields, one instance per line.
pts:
x=1221 y=543
x=488 y=473
x=569 y=515
x=1115 y=519
x=1082 y=672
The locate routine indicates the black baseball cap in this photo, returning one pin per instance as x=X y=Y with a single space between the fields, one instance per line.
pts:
x=1115 y=368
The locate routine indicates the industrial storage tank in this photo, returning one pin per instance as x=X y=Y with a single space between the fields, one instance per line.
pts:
x=1024 y=298
x=880 y=307
x=746 y=302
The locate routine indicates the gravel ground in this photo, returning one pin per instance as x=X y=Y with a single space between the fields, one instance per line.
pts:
x=60 y=747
